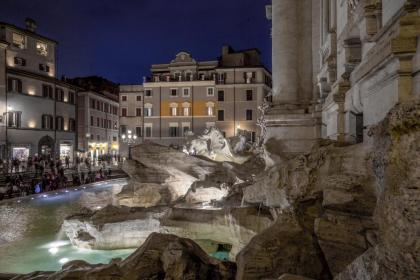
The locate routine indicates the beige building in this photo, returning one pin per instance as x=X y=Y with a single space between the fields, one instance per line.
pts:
x=37 y=111
x=339 y=67
x=187 y=96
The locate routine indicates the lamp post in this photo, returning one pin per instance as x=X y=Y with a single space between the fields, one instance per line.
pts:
x=129 y=139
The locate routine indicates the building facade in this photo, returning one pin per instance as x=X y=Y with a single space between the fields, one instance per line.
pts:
x=98 y=120
x=340 y=66
x=37 y=111
x=186 y=96
x=131 y=115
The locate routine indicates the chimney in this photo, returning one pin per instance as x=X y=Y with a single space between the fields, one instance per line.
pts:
x=30 y=24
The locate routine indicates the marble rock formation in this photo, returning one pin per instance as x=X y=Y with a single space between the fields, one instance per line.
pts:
x=358 y=205
x=123 y=227
x=160 y=257
x=212 y=145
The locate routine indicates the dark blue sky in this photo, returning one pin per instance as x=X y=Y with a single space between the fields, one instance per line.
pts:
x=120 y=39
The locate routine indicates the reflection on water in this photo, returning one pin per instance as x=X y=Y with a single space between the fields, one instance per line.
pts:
x=30 y=237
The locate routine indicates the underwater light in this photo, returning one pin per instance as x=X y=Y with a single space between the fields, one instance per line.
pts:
x=67 y=191
x=44 y=195
x=63 y=260
x=53 y=250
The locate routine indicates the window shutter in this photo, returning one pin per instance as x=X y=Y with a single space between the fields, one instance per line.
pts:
x=19 y=86
x=9 y=84
x=23 y=62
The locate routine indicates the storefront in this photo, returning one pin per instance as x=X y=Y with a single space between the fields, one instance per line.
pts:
x=66 y=149
x=21 y=152
x=97 y=149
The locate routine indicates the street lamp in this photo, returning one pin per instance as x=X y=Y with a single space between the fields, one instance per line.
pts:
x=129 y=139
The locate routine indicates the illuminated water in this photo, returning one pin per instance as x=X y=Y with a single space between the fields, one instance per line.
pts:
x=30 y=237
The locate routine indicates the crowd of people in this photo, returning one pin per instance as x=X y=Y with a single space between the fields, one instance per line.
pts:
x=42 y=174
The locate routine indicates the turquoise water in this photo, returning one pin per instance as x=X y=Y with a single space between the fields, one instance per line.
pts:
x=30 y=237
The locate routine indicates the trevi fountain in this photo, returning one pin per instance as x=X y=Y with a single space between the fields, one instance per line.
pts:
x=308 y=200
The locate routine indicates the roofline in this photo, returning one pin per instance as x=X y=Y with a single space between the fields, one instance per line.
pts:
x=27 y=32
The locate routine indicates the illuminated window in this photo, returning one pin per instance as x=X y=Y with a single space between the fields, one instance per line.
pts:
x=210 y=110
x=186 y=111
x=174 y=111
x=42 y=48
x=18 y=40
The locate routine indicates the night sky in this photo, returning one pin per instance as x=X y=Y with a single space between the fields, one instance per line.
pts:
x=119 y=40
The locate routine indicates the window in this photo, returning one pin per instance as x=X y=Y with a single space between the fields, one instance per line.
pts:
x=186 y=111
x=59 y=123
x=186 y=92
x=47 y=122
x=148 y=131
x=148 y=112
x=59 y=94
x=44 y=68
x=210 y=91
x=185 y=129
x=42 y=48
x=123 y=129
x=91 y=137
x=72 y=125
x=221 y=95
x=249 y=95
x=221 y=78
x=139 y=131
x=173 y=131
x=174 y=92
x=14 y=119
x=249 y=77
x=174 y=111
x=249 y=115
x=98 y=122
x=124 y=98
x=123 y=112
x=91 y=121
x=221 y=115
x=47 y=91
x=114 y=138
x=210 y=109
x=20 y=61
x=98 y=137
x=18 y=40
x=138 y=112
x=106 y=108
x=138 y=97
x=148 y=92
x=71 y=97
x=14 y=85
x=189 y=76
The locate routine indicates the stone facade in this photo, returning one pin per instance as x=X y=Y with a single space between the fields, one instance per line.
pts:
x=364 y=60
x=98 y=123
x=37 y=111
x=186 y=96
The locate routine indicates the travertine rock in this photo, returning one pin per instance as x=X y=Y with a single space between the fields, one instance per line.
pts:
x=285 y=247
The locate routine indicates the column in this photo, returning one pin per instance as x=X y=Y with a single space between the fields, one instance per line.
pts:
x=285 y=33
